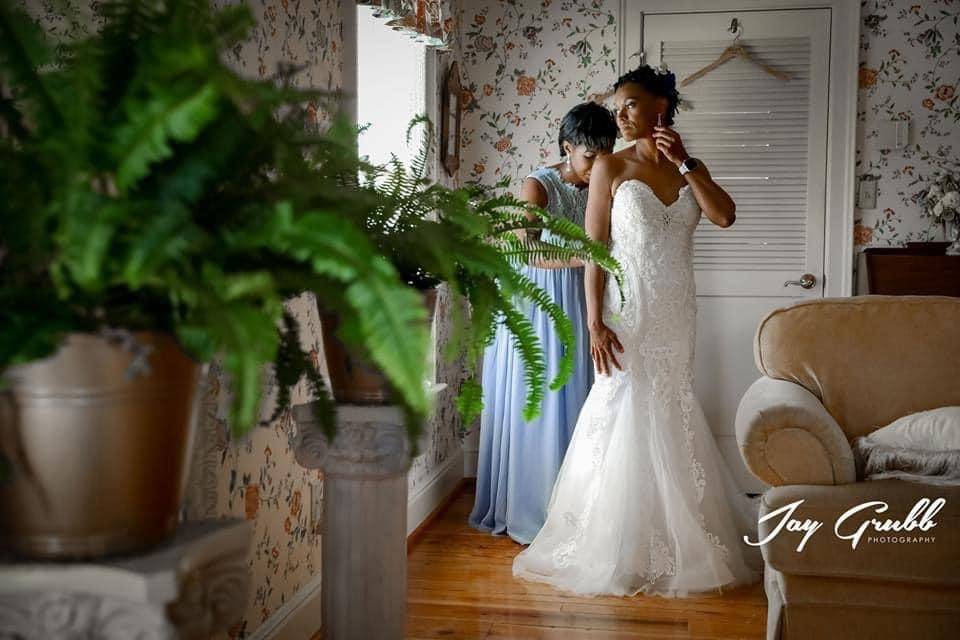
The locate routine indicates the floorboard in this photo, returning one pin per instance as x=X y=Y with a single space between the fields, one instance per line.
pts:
x=460 y=585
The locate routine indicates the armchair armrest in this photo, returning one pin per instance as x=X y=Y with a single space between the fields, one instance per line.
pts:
x=787 y=436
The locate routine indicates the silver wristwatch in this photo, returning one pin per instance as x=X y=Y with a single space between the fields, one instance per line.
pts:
x=688 y=165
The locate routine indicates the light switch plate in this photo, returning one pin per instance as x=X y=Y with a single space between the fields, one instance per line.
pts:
x=902 y=134
x=893 y=134
x=867 y=192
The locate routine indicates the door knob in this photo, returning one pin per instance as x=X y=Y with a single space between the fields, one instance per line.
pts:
x=806 y=281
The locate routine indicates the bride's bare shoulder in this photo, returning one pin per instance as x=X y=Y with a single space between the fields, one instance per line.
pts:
x=617 y=167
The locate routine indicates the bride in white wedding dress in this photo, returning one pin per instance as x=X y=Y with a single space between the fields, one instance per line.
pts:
x=644 y=501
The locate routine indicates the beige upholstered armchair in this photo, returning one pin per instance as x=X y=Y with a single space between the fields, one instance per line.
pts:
x=834 y=369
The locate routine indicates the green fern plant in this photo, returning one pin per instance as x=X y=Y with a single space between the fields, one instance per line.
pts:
x=146 y=185
x=466 y=238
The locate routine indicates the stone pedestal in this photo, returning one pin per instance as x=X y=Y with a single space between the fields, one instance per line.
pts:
x=364 y=546
x=191 y=586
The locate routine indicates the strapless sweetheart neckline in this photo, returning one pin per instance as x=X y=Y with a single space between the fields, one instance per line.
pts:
x=652 y=192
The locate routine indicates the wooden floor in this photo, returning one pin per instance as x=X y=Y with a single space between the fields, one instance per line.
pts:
x=460 y=586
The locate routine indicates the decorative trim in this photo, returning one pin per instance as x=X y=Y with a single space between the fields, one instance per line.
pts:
x=370 y=442
x=298 y=618
x=451 y=110
x=211 y=597
x=189 y=587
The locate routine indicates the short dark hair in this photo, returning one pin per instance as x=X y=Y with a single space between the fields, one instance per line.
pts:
x=588 y=124
x=663 y=85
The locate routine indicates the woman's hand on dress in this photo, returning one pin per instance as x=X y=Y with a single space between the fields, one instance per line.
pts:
x=670 y=145
x=558 y=264
x=602 y=342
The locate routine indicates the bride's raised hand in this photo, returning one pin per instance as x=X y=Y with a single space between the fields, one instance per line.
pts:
x=669 y=144
x=602 y=342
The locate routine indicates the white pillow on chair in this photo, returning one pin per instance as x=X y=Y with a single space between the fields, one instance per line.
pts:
x=921 y=447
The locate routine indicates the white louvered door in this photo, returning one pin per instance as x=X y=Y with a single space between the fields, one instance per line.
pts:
x=764 y=140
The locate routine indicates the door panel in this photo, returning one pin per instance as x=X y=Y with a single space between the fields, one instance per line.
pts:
x=763 y=139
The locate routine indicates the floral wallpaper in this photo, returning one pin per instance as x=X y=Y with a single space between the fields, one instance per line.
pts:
x=909 y=69
x=524 y=64
x=257 y=478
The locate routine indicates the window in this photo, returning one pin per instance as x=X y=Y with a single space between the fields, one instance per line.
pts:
x=391 y=89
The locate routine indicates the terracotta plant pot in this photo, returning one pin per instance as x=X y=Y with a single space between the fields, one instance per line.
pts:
x=99 y=457
x=353 y=379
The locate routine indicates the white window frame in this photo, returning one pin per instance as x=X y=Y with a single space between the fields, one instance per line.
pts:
x=433 y=64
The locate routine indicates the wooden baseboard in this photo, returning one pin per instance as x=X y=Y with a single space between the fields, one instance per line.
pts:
x=296 y=619
x=417 y=533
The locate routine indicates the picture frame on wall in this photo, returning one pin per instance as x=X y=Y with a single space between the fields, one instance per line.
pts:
x=450 y=104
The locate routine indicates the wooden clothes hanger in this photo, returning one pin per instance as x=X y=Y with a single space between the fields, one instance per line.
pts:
x=735 y=50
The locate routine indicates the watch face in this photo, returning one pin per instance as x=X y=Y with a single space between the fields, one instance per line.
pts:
x=690 y=163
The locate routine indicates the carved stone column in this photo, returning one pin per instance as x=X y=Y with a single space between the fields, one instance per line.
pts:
x=190 y=587
x=364 y=546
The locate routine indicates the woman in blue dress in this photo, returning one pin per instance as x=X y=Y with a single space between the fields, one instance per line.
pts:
x=519 y=460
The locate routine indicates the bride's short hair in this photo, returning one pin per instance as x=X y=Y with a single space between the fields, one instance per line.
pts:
x=657 y=82
x=588 y=124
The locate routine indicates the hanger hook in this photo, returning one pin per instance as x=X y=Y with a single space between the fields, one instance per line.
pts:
x=735 y=28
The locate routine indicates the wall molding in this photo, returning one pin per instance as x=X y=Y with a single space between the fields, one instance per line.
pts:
x=297 y=619
x=446 y=478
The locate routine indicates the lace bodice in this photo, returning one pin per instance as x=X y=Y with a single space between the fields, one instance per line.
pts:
x=654 y=244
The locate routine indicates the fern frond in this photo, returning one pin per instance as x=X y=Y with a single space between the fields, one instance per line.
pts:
x=517 y=284
x=527 y=343
x=291 y=366
x=172 y=115
x=24 y=54
x=469 y=400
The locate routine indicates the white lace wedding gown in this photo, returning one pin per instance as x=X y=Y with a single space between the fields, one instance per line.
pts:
x=644 y=501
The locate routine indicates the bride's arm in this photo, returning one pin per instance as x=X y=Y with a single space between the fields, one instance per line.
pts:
x=715 y=202
x=597 y=226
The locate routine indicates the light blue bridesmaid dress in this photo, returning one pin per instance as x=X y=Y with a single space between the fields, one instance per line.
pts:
x=519 y=460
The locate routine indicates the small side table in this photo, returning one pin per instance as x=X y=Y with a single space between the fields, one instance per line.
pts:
x=191 y=586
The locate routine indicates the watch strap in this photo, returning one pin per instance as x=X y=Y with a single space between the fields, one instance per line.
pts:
x=688 y=165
